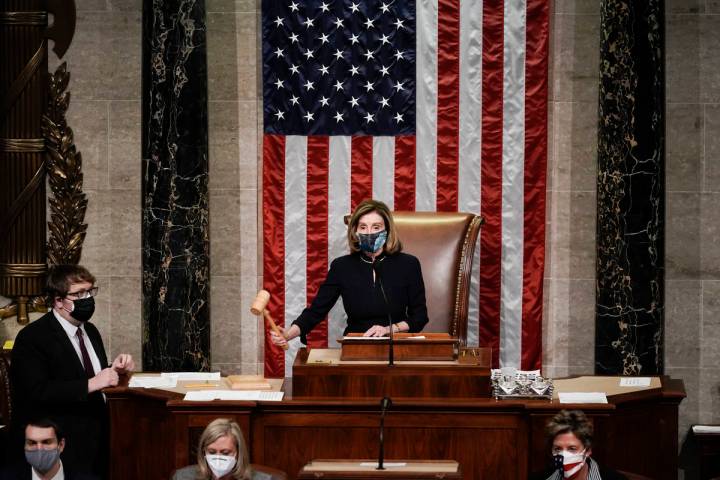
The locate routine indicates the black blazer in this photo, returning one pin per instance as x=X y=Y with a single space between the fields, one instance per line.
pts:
x=48 y=380
x=23 y=472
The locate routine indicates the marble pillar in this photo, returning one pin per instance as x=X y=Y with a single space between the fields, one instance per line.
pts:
x=630 y=189
x=175 y=240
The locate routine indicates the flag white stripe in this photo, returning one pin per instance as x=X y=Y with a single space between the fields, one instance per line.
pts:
x=338 y=207
x=513 y=151
x=384 y=170
x=426 y=105
x=470 y=138
x=295 y=235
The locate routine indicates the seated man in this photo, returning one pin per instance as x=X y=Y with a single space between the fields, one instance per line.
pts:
x=44 y=442
x=59 y=368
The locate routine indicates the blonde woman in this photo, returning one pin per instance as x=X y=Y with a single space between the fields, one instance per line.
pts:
x=222 y=455
x=375 y=250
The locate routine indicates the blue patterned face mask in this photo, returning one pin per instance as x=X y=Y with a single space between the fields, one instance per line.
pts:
x=372 y=242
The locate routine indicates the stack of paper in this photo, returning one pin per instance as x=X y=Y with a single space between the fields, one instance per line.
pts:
x=197 y=376
x=152 y=382
x=582 y=397
x=255 y=396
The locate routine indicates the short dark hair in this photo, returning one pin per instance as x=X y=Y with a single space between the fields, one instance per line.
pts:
x=47 y=423
x=571 y=421
x=60 y=277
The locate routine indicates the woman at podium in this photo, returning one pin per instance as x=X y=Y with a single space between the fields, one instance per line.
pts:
x=374 y=271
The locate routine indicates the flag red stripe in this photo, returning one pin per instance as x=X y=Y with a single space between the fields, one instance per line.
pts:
x=274 y=244
x=405 y=173
x=491 y=174
x=361 y=151
x=536 y=91
x=318 y=153
x=448 y=110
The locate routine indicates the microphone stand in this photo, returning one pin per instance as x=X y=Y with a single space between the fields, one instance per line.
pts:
x=385 y=403
x=391 y=361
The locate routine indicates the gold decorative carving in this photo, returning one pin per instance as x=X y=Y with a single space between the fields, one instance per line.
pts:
x=64 y=170
x=19 y=145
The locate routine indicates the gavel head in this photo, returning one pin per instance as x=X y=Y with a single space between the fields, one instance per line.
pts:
x=260 y=302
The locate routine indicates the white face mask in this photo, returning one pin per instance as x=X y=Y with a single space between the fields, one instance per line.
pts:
x=571 y=462
x=220 y=464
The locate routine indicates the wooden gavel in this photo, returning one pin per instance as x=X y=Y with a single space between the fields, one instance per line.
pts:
x=259 y=307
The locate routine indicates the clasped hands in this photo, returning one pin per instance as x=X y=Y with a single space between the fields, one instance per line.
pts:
x=294 y=331
x=109 y=377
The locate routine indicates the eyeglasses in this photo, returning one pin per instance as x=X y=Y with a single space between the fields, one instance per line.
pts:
x=82 y=294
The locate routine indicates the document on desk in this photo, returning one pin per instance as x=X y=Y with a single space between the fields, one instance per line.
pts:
x=706 y=428
x=236 y=395
x=582 y=397
x=197 y=376
x=152 y=382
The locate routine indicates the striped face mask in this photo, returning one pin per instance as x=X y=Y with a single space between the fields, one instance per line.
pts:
x=569 y=462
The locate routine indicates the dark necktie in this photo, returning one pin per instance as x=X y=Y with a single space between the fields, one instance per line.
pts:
x=85 y=357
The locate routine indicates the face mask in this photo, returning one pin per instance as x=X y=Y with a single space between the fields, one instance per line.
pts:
x=42 y=460
x=83 y=309
x=569 y=462
x=372 y=242
x=220 y=464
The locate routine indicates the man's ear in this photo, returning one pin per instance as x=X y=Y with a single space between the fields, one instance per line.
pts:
x=61 y=445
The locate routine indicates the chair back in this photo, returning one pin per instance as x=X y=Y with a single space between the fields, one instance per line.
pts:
x=273 y=473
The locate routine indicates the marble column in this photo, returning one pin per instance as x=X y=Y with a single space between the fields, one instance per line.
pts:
x=176 y=274
x=630 y=189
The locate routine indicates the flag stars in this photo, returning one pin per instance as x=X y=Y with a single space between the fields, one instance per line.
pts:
x=338 y=54
x=338 y=23
x=294 y=100
x=384 y=70
x=309 y=86
x=384 y=7
x=325 y=7
x=309 y=116
x=308 y=54
x=354 y=7
x=354 y=70
x=398 y=118
x=339 y=117
x=294 y=7
x=278 y=21
x=324 y=38
x=369 y=23
x=369 y=118
x=279 y=52
x=309 y=22
x=384 y=102
x=294 y=37
x=353 y=101
x=399 y=24
x=398 y=86
x=338 y=86
x=280 y=115
x=384 y=39
x=369 y=55
x=279 y=84
x=368 y=86
x=323 y=70
x=399 y=55
x=324 y=101
x=294 y=69
x=354 y=39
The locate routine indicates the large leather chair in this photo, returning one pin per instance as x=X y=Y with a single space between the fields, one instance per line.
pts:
x=444 y=242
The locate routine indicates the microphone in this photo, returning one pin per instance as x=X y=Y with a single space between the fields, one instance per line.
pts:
x=385 y=404
x=391 y=350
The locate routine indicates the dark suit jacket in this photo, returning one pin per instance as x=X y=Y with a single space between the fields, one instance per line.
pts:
x=48 y=380
x=22 y=472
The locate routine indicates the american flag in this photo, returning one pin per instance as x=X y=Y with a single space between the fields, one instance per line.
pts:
x=434 y=105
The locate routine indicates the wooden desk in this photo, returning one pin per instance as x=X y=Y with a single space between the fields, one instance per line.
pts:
x=490 y=439
x=395 y=470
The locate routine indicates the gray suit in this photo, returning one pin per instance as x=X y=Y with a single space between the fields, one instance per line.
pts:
x=191 y=473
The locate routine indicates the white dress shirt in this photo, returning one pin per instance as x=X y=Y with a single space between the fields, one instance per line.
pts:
x=60 y=475
x=71 y=331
